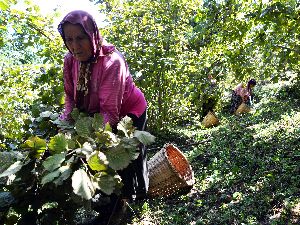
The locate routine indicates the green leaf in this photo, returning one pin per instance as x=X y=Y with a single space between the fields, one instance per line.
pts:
x=144 y=137
x=106 y=182
x=6 y=199
x=97 y=161
x=71 y=143
x=107 y=127
x=106 y=138
x=75 y=114
x=46 y=114
x=36 y=145
x=131 y=147
x=63 y=124
x=58 y=144
x=86 y=149
x=125 y=125
x=119 y=157
x=12 y=169
x=65 y=172
x=82 y=184
x=83 y=126
x=4 y=5
x=53 y=162
x=50 y=177
x=97 y=122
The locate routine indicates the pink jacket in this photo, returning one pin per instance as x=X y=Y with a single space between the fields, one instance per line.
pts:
x=112 y=91
x=242 y=91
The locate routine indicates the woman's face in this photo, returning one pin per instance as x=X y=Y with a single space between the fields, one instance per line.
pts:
x=78 y=42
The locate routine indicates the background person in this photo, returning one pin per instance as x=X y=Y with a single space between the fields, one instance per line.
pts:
x=242 y=94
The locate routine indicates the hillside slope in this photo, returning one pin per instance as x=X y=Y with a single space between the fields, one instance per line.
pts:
x=247 y=173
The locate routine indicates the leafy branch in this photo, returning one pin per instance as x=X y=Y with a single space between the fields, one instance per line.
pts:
x=85 y=155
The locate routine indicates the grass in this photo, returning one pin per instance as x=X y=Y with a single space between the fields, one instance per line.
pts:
x=247 y=169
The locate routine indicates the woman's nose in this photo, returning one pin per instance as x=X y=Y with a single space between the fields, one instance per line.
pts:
x=76 y=45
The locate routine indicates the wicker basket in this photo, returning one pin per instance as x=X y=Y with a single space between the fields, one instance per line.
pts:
x=169 y=172
x=242 y=109
x=210 y=120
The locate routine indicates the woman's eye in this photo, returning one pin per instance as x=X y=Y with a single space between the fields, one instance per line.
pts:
x=80 y=38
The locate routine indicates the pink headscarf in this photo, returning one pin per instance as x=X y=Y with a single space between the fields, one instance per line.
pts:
x=88 y=24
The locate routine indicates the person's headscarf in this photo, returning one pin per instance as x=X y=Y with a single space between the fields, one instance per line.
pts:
x=100 y=48
x=88 y=24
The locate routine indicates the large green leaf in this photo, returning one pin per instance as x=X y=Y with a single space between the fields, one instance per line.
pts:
x=119 y=157
x=53 y=162
x=83 y=126
x=131 y=147
x=144 y=137
x=36 y=146
x=64 y=125
x=75 y=114
x=6 y=199
x=106 y=138
x=58 y=144
x=106 y=182
x=7 y=158
x=57 y=176
x=82 y=184
x=86 y=149
x=4 y=5
x=125 y=125
x=65 y=172
x=97 y=122
x=97 y=161
x=50 y=177
x=12 y=169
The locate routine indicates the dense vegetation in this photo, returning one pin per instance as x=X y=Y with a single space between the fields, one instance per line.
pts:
x=247 y=168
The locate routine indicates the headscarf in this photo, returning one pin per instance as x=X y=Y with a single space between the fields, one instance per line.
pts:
x=89 y=25
x=87 y=22
x=100 y=48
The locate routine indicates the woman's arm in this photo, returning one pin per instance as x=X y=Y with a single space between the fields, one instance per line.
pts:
x=112 y=87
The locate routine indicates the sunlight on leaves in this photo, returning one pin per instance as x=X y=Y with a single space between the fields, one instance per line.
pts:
x=58 y=144
x=144 y=137
x=125 y=125
x=12 y=169
x=53 y=162
x=82 y=184
x=105 y=182
x=97 y=161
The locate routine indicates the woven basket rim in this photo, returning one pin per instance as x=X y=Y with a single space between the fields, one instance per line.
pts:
x=175 y=176
x=163 y=151
x=181 y=154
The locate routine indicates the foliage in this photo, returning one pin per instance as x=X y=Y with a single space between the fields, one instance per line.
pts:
x=152 y=36
x=246 y=169
x=27 y=86
x=173 y=46
x=25 y=92
x=72 y=166
x=244 y=39
x=28 y=37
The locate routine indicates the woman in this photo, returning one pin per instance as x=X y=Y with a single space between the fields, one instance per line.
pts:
x=97 y=80
x=241 y=94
